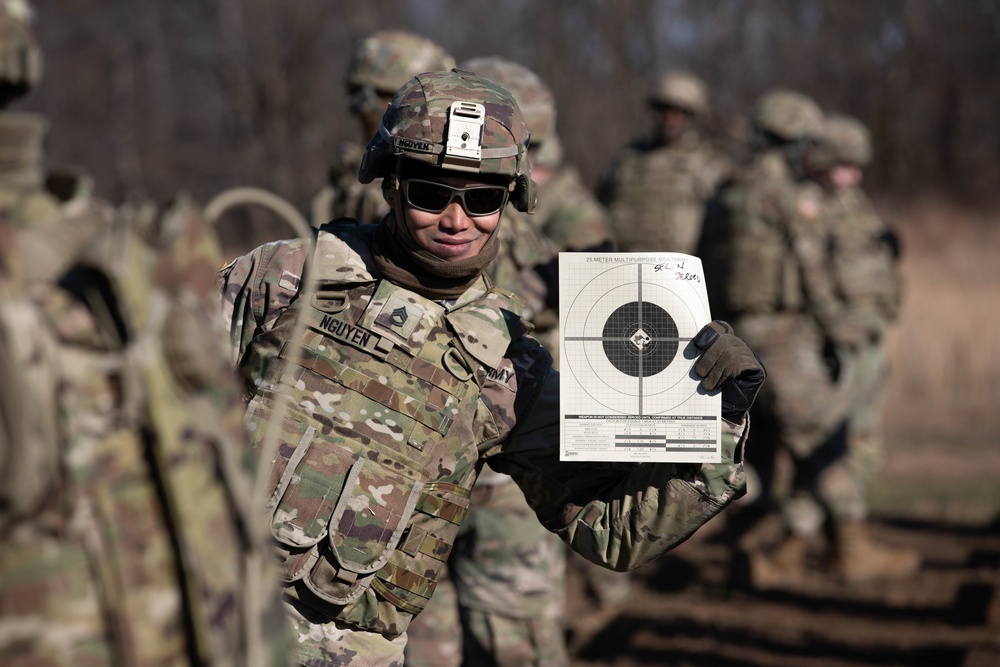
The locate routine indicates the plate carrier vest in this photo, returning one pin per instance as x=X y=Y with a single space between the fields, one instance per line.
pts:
x=393 y=398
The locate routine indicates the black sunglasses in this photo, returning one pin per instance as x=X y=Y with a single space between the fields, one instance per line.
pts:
x=434 y=197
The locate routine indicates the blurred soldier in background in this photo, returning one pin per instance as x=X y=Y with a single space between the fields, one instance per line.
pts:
x=525 y=250
x=126 y=526
x=380 y=64
x=572 y=220
x=863 y=254
x=782 y=298
x=657 y=188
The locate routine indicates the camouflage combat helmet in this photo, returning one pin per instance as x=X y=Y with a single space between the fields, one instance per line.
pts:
x=537 y=103
x=680 y=89
x=847 y=139
x=385 y=60
x=456 y=121
x=20 y=57
x=787 y=115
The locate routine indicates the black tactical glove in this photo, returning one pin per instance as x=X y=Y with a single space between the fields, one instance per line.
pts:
x=890 y=240
x=727 y=363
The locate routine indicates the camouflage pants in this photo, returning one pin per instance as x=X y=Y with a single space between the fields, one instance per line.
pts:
x=801 y=399
x=802 y=408
x=844 y=487
x=503 y=602
x=866 y=441
x=321 y=643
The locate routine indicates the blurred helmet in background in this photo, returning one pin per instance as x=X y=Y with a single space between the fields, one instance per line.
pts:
x=788 y=115
x=382 y=62
x=680 y=89
x=533 y=97
x=457 y=121
x=20 y=56
x=847 y=139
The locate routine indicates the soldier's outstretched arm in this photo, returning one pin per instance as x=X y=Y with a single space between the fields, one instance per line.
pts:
x=622 y=516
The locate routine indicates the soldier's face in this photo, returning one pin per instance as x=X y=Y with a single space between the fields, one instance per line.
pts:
x=845 y=176
x=673 y=122
x=452 y=234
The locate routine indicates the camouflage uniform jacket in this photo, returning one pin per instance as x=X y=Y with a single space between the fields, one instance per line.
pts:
x=569 y=215
x=523 y=248
x=124 y=499
x=778 y=271
x=344 y=196
x=656 y=194
x=396 y=403
x=864 y=263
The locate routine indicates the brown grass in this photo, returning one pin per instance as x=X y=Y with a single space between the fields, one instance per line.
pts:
x=945 y=348
x=943 y=395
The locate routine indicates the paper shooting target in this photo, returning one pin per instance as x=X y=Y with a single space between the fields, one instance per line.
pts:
x=625 y=335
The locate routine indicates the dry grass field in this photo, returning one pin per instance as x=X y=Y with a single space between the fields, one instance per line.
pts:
x=943 y=412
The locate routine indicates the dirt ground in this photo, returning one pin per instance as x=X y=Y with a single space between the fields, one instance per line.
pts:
x=687 y=610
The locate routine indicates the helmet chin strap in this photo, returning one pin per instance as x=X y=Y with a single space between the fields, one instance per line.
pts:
x=395 y=201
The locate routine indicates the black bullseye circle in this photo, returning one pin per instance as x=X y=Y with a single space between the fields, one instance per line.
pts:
x=640 y=339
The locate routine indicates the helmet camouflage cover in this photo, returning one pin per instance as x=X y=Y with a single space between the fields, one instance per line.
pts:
x=847 y=139
x=788 y=114
x=20 y=57
x=680 y=89
x=456 y=121
x=387 y=59
x=535 y=99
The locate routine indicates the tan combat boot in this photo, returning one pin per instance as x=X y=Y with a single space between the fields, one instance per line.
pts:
x=856 y=558
x=783 y=566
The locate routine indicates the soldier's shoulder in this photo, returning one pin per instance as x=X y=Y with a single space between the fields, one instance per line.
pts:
x=579 y=220
x=567 y=178
x=344 y=251
x=629 y=163
x=770 y=176
x=710 y=145
x=768 y=193
x=285 y=251
x=22 y=208
x=282 y=261
x=713 y=152
x=769 y=166
x=568 y=190
x=858 y=200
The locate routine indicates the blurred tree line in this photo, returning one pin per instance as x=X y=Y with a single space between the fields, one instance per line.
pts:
x=152 y=96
